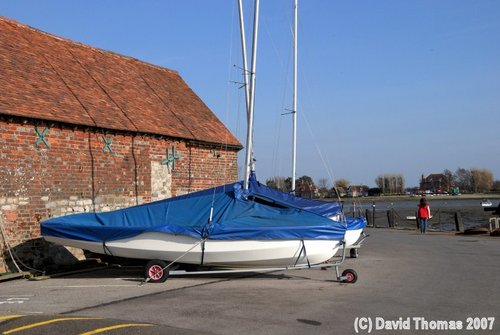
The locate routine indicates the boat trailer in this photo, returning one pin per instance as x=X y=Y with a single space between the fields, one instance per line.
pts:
x=353 y=249
x=158 y=271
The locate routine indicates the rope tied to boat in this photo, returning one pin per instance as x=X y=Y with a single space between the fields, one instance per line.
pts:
x=174 y=261
x=106 y=249
x=205 y=232
x=303 y=251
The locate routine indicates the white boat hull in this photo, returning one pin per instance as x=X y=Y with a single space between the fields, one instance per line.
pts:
x=220 y=253
x=352 y=236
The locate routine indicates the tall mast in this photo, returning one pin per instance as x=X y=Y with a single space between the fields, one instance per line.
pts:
x=294 y=108
x=244 y=54
x=249 y=142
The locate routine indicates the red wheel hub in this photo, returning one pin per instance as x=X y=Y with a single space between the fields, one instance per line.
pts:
x=155 y=272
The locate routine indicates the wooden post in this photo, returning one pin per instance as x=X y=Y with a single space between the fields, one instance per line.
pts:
x=373 y=214
x=459 y=222
x=368 y=217
x=390 y=217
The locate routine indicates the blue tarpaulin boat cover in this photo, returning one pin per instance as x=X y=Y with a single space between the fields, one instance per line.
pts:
x=236 y=216
x=324 y=208
x=319 y=207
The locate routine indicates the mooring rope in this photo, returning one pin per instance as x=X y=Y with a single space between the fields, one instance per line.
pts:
x=12 y=253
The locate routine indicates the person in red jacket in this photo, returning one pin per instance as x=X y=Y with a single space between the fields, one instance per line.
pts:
x=423 y=215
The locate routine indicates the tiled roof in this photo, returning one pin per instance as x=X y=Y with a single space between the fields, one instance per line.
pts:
x=46 y=77
x=435 y=176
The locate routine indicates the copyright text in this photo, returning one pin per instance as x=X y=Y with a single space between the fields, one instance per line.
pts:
x=369 y=324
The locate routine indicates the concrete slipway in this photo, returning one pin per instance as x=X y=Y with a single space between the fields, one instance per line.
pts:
x=448 y=280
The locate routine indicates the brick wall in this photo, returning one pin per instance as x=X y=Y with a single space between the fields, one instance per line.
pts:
x=76 y=172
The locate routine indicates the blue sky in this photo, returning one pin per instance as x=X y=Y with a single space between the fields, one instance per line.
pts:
x=402 y=87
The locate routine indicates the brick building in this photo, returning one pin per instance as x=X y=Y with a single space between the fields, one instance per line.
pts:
x=435 y=183
x=357 y=191
x=83 y=129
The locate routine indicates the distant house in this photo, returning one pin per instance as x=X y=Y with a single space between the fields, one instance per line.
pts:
x=357 y=191
x=342 y=192
x=306 y=190
x=435 y=183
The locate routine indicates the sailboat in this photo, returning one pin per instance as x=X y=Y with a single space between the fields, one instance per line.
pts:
x=230 y=226
x=215 y=227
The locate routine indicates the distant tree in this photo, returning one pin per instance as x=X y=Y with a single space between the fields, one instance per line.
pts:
x=496 y=186
x=401 y=184
x=279 y=183
x=305 y=188
x=305 y=179
x=323 y=183
x=380 y=183
x=344 y=183
x=323 y=187
x=391 y=183
x=288 y=184
x=482 y=180
x=374 y=192
x=462 y=178
x=271 y=182
x=448 y=183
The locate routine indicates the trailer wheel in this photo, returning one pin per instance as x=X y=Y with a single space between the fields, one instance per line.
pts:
x=350 y=276
x=353 y=253
x=155 y=271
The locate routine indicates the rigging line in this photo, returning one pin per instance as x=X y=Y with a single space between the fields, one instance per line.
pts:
x=318 y=149
x=210 y=219
x=276 y=148
x=320 y=153
x=244 y=54
x=286 y=87
x=304 y=117
x=238 y=121
x=280 y=118
x=238 y=114
x=286 y=71
x=329 y=170
x=304 y=114
x=175 y=260
x=228 y=95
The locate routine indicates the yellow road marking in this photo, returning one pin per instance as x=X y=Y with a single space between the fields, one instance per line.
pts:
x=8 y=317
x=102 y=330
x=38 y=324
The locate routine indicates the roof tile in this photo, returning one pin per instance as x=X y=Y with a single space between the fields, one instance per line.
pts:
x=55 y=79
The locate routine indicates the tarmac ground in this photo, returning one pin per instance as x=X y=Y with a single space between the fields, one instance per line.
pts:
x=438 y=283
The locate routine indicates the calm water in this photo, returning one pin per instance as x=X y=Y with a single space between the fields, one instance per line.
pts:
x=412 y=204
x=443 y=211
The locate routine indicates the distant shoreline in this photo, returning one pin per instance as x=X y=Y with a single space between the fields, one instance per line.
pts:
x=444 y=209
x=473 y=196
